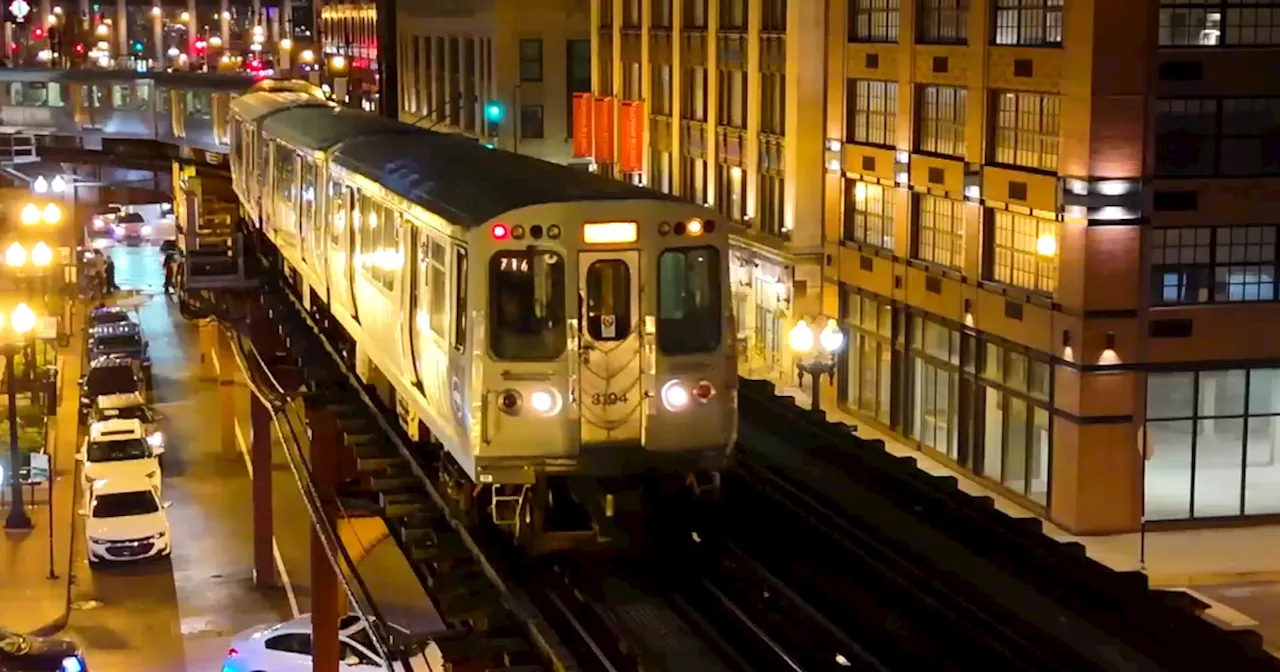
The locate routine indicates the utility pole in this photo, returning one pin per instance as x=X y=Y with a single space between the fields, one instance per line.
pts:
x=388 y=45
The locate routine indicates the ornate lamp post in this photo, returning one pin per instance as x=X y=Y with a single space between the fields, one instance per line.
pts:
x=816 y=362
x=16 y=326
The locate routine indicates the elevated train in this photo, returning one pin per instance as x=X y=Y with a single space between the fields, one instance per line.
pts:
x=564 y=339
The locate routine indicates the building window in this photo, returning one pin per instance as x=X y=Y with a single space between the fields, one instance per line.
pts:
x=660 y=170
x=1029 y=23
x=660 y=14
x=868 y=372
x=770 y=217
x=577 y=75
x=733 y=98
x=940 y=230
x=531 y=121
x=872 y=112
x=661 y=88
x=1027 y=127
x=773 y=103
x=695 y=14
x=935 y=386
x=1212 y=441
x=693 y=103
x=868 y=213
x=693 y=178
x=944 y=21
x=630 y=14
x=1231 y=136
x=733 y=15
x=731 y=191
x=531 y=60
x=1025 y=251
x=942 y=115
x=873 y=20
x=1211 y=23
x=773 y=16
x=1014 y=421
x=1213 y=264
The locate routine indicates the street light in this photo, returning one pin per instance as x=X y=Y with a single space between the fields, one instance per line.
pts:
x=15 y=256
x=52 y=214
x=30 y=214
x=184 y=17
x=155 y=11
x=41 y=254
x=816 y=362
x=20 y=323
x=41 y=185
x=102 y=30
x=58 y=185
x=338 y=62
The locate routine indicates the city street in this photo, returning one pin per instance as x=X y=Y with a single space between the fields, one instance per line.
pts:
x=177 y=614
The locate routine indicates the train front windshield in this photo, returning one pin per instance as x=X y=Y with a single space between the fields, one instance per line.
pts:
x=526 y=305
x=689 y=313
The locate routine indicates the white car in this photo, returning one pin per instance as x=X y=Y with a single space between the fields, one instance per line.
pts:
x=286 y=647
x=125 y=520
x=129 y=406
x=119 y=448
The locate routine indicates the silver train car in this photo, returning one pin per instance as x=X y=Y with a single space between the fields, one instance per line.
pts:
x=564 y=339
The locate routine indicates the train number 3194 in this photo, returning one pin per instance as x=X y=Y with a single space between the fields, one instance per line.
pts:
x=610 y=399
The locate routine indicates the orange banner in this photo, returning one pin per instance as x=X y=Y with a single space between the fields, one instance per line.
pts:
x=582 y=124
x=632 y=131
x=604 y=130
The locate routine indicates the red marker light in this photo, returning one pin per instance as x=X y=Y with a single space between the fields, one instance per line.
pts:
x=38 y=33
x=79 y=48
x=501 y=232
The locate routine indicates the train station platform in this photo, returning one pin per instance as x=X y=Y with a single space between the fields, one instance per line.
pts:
x=1235 y=570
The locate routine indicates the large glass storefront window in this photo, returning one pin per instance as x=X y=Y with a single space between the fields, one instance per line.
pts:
x=935 y=386
x=868 y=374
x=1013 y=407
x=1212 y=441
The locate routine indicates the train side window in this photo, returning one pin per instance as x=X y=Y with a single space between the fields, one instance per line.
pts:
x=308 y=210
x=439 y=291
x=460 y=299
x=338 y=202
x=608 y=300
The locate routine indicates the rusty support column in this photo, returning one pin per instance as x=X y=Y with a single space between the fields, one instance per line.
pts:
x=325 y=592
x=226 y=363
x=260 y=456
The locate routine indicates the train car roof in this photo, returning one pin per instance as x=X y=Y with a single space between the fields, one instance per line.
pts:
x=320 y=128
x=254 y=106
x=458 y=178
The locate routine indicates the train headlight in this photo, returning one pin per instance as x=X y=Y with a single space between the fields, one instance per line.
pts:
x=509 y=402
x=545 y=402
x=674 y=396
x=704 y=390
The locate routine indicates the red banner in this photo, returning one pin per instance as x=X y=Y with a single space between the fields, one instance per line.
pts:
x=632 y=131
x=604 y=130
x=582 y=124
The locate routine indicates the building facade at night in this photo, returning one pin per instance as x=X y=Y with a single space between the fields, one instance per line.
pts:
x=1046 y=225
x=503 y=72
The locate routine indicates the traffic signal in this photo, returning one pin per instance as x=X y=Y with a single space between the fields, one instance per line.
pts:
x=493 y=117
x=37 y=33
x=137 y=47
x=79 y=48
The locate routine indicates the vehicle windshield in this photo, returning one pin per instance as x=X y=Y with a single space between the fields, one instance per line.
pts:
x=689 y=317
x=110 y=380
x=526 y=309
x=122 y=342
x=14 y=643
x=121 y=504
x=132 y=218
x=115 y=451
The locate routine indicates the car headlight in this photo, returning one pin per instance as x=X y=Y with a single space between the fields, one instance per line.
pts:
x=545 y=402
x=97 y=540
x=146 y=230
x=155 y=439
x=675 y=396
x=72 y=664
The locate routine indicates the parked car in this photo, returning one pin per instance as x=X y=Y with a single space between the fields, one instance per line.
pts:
x=104 y=315
x=110 y=374
x=131 y=228
x=121 y=339
x=119 y=448
x=287 y=646
x=26 y=653
x=125 y=519
x=129 y=406
x=103 y=220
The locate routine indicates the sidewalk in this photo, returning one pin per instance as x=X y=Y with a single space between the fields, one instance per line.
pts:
x=1215 y=561
x=31 y=601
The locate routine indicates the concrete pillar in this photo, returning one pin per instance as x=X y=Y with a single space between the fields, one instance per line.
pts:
x=191 y=29
x=227 y=395
x=121 y=30
x=273 y=31
x=326 y=608
x=209 y=350
x=257 y=15
x=224 y=25
x=157 y=36
x=260 y=456
x=286 y=18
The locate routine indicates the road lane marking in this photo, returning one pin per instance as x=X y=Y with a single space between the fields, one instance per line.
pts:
x=275 y=547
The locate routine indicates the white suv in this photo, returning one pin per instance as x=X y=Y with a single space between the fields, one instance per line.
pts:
x=125 y=520
x=129 y=406
x=119 y=448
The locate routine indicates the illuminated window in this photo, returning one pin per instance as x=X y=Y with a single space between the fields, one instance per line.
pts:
x=944 y=22
x=873 y=21
x=1025 y=251
x=868 y=213
x=940 y=230
x=872 y=112
x=942 y=115
x=693 y=94
x=1213 y=264
x=1029 y=23
x=1027 y=129
x=1210 y=23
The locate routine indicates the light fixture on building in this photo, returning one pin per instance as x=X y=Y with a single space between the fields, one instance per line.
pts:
x=156 y=11
x=860 y=191
x=1047 y=244
x=185 y=17
x=902 y=156
x=973 y=192
x=226 y=16
x=173 y=52
x=1109 y=355
x=834 y=145
x=215 y=41
x=286 y=44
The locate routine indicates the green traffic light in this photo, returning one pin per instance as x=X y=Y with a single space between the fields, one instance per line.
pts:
x=137 y=46
x=493 y=112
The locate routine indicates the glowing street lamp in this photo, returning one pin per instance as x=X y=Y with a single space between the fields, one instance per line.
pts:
x=41 y=255
x=20 y=323
x=308 y=56
x=185 y=17
x=31 y=214
x=286 y=44
x=816 y=362
x=58 y=185
x=102 y=30
x=338 y=62
x=40 y=186
x=156 y=11
x=52 y=214
x=15 y=256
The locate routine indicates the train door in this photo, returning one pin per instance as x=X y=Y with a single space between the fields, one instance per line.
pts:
x=609 y=346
